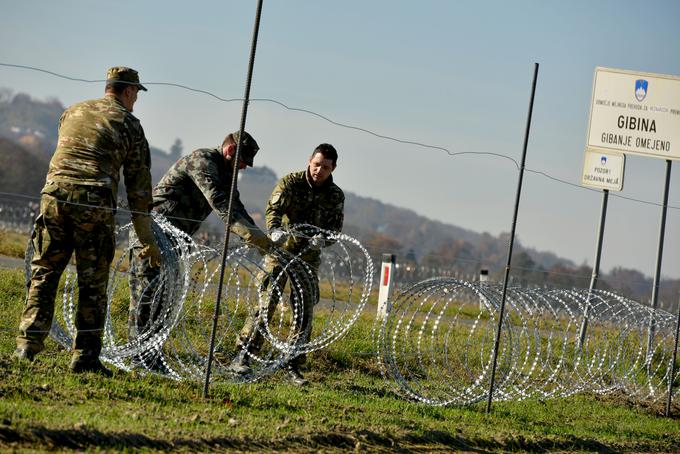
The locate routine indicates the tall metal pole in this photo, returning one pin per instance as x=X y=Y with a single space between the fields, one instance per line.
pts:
x=596 y=268
x=235 y=162
x=511 y=242
x=659 y=257
x=673 y=359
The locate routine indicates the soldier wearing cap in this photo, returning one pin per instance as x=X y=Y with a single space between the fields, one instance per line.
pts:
x=199 y=183
x=193 y=187
x=96 y=139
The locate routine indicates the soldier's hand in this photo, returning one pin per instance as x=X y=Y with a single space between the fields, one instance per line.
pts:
x=317 y=242
x=145 y=235
x=269 y=246
x=263 y=244
x=278 y=236
x=153 y=253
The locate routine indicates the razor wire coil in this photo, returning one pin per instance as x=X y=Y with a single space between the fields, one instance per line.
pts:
x=174 y=340
x=436 y=343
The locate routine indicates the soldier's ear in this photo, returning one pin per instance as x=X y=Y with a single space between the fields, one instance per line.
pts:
x=229 y=151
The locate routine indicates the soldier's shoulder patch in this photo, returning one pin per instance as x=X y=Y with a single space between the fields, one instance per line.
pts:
x=276 y=196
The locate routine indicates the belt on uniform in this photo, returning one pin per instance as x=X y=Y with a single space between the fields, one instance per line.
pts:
x=78 y=192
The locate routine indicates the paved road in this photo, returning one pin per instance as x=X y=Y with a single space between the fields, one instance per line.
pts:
x=18 y=264
x=11 y=262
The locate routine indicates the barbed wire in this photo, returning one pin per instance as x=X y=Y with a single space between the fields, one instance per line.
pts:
x=451 y=153
x=624 y=197
x=163 y=330
x=348 y=126
x=405 y=269
x=434 y=345
x=117 y=209
x=372 y=250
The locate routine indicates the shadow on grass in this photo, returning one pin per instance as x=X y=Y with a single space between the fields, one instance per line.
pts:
x=431 y=441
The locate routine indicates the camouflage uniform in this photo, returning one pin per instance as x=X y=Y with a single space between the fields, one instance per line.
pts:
x=295 y=200
x=192 y=188
x=196 y=185
x=77 y=207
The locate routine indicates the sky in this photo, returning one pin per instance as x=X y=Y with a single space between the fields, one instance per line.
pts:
x=449 y=74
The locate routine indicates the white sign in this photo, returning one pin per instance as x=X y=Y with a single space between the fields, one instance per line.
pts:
x=637 y=113
x=603 y=170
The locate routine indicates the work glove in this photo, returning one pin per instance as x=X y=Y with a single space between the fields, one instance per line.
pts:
x=251 y=234
x=317 y=242
x=262 y=242
x=278 y=236
x=150 y=248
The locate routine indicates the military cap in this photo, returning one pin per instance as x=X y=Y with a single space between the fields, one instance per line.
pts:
x=125 y=75
x=249 y=147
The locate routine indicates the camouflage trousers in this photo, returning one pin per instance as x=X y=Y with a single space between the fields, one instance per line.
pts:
x=73 y=219
x=251 y=337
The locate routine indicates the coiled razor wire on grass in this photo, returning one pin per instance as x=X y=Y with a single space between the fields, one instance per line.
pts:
x=346 y=275
x=436 y=344
x=176 y=340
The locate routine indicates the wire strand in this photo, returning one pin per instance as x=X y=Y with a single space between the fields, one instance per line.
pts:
x=346 y=126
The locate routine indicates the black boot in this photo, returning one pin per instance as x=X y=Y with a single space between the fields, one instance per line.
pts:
x=294 y=376
x=240 y=364
x=23 y=354
x=79 y=365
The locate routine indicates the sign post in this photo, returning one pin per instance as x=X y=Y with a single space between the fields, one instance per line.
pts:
x=638 y=113
x=657 y=269
x=671 y=376
x=601 y=170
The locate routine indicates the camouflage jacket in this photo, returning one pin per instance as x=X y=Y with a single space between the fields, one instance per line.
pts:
x=96 y=139
x=295 y=200
x=197 y=184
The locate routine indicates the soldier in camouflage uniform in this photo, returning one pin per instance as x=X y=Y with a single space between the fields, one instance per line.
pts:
x=192 y=188
x=305 y=197
x=77 y=207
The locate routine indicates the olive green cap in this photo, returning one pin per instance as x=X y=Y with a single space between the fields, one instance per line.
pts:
x=249 y=147
x=123 y=74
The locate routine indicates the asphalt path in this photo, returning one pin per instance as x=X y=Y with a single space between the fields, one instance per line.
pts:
x=18 y=264
x=11 y=262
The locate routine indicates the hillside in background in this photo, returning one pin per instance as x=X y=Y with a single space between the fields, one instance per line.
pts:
x=22 y=170
x=28 y=134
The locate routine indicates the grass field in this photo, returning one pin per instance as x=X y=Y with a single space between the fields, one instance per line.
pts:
x=13 y=244
x=347 y=407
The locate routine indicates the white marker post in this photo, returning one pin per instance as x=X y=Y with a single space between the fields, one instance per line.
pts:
x=386 y=284
x=483 y=279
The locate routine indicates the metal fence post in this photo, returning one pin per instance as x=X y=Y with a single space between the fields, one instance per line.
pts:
x=674 y=357
x=232 y=192
x=657 y=270
x=501 y=310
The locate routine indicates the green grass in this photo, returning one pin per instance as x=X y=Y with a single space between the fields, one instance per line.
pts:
x=13 y=244
x=347 y=406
